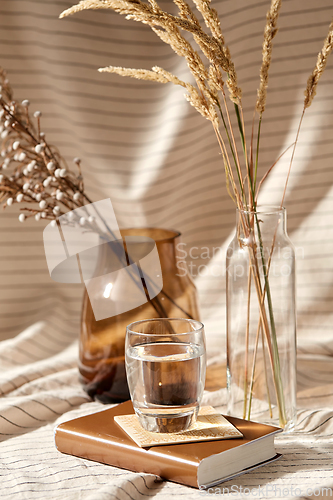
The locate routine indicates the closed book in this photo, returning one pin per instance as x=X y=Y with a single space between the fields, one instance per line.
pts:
x=199 y=464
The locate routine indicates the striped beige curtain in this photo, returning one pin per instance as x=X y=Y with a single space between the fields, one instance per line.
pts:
x=143 y=146
x=146 y=148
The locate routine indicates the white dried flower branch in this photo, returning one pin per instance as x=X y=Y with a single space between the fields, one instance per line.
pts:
x=32 y=170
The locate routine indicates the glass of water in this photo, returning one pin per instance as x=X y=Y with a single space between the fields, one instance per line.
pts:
x=166 y=370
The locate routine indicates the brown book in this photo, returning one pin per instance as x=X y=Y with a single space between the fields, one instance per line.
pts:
x=200 y=464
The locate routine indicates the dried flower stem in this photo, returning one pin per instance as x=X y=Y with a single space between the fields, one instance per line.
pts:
x=310 y=93
x=237 y=162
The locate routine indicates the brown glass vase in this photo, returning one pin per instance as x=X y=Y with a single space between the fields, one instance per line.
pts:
x=101 y=346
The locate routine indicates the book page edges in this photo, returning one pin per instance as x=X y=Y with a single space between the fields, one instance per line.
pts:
x=240 y=473
x=230 y=461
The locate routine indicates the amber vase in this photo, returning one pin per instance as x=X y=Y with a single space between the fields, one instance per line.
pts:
x=102 y=343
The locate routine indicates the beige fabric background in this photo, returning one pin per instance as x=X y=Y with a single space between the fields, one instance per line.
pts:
x=144 y=147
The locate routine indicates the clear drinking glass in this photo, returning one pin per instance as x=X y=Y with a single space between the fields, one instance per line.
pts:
x=166 y=369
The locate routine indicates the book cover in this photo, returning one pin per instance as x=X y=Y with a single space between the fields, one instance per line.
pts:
x=99 y=438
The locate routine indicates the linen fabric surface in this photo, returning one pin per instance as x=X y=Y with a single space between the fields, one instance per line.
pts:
x=146 y=148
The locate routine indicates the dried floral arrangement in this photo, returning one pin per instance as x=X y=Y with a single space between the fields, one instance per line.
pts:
x=32 y=170
x=34 y=174
x=214 y=74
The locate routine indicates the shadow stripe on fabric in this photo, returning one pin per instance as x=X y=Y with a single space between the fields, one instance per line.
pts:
x=88 y=51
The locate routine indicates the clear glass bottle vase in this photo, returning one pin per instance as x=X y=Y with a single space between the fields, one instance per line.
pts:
x=261 y=319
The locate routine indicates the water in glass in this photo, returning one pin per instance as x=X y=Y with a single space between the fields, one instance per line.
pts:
x=166 y=380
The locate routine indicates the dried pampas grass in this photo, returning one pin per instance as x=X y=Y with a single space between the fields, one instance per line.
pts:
x=322 y=58
x=269 y=33
x=213 y=75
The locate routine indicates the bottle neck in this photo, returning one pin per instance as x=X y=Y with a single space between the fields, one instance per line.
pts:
x=266 y=223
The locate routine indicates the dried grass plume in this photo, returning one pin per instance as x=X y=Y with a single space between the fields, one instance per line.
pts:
x=322 y=58
x=212 y=69
x=269 y=33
